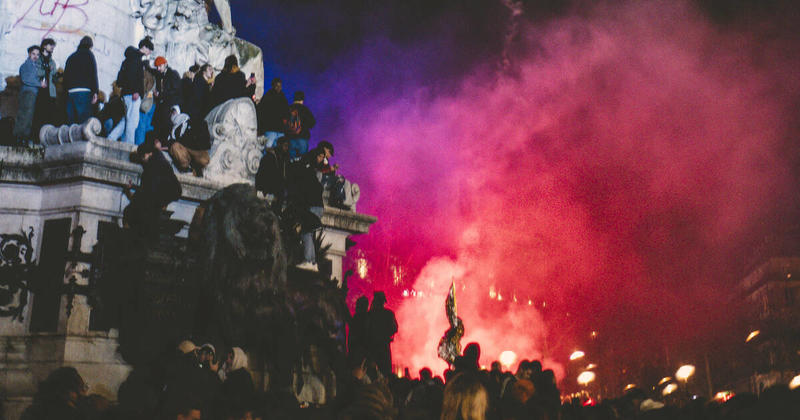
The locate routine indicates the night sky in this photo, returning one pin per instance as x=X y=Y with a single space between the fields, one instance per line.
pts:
x=610 y=163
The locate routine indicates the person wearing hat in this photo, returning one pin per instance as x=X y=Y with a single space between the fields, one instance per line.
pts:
x=168 y=96
x=80 y=82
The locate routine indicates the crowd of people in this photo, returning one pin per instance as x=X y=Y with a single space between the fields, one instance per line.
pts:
x=199 y=383
x=153 y=107
x=150 y=96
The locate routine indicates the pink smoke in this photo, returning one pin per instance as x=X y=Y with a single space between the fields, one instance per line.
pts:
x=611 y=176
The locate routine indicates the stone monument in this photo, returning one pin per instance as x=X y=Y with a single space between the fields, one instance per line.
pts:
x=59 y=200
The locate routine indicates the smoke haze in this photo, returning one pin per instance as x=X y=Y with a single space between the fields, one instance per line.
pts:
x=602 y=168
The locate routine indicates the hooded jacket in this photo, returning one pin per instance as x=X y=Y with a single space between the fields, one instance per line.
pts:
x=131 y=73
x=80 y=71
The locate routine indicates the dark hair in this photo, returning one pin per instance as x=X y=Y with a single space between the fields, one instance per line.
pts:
x=276 y=80
x=326 y=145
x=148 y=146
x=204 y=67
x=230 y=63
x=86 y=42
x=34 y=47
x=194 y=68
x=147 y=42
x=299 y=96
x=48 y=41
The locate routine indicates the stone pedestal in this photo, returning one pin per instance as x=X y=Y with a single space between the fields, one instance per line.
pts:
x=51 y=193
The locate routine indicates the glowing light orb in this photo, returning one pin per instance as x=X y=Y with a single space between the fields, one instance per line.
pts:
x=664 y=380
x=752 y=335
x=492 y=293
x=684 y=372
x=507 y=358
x=795 y=382
x=577 y=354
x=629 y=387
x=669 y=389
x=585 y=377
x=591 y=366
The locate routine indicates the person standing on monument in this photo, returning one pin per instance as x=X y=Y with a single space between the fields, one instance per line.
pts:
x=201 y=86
x=131 y=80
x=80 y=82
x=29 y=75
x=45 y=111
x=229 y=84
x=298 y=125
x=382 y=328
x=168 y=96
x=271 y=112
x=305 y=197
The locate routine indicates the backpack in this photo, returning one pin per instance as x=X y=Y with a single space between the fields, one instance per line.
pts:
x=294 y=125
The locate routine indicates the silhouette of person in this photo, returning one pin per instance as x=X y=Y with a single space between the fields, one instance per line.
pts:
x=382 y=327
x=359 y=329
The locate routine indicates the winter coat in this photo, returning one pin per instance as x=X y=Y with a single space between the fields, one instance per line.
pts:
x=131 y=73
x=168 y=86
x=271 y=175
x=29 y=74
x=305 y=190
x=159 y=185
x=202 y=98
x=80 y=71
x=307 y=121
x=272 y=111
x=47 y=68
x=228 y=86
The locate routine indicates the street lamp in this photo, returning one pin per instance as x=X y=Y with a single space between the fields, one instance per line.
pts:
x=586 y=377
x=795 y=382
x=669 y=389
x=684 y=373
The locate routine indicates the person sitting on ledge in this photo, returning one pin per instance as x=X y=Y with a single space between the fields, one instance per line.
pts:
x=188 y=143
x=159 y=187
x=332 y=181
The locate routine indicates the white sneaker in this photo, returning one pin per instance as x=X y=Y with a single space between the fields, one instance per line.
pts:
x=306 y=265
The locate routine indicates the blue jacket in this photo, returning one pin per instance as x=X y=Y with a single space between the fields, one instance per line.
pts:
x=29 y=74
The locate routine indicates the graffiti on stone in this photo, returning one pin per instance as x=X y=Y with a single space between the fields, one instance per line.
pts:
x=48 y=15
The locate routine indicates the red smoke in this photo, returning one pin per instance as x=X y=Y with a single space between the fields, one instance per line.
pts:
x=613 y=174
